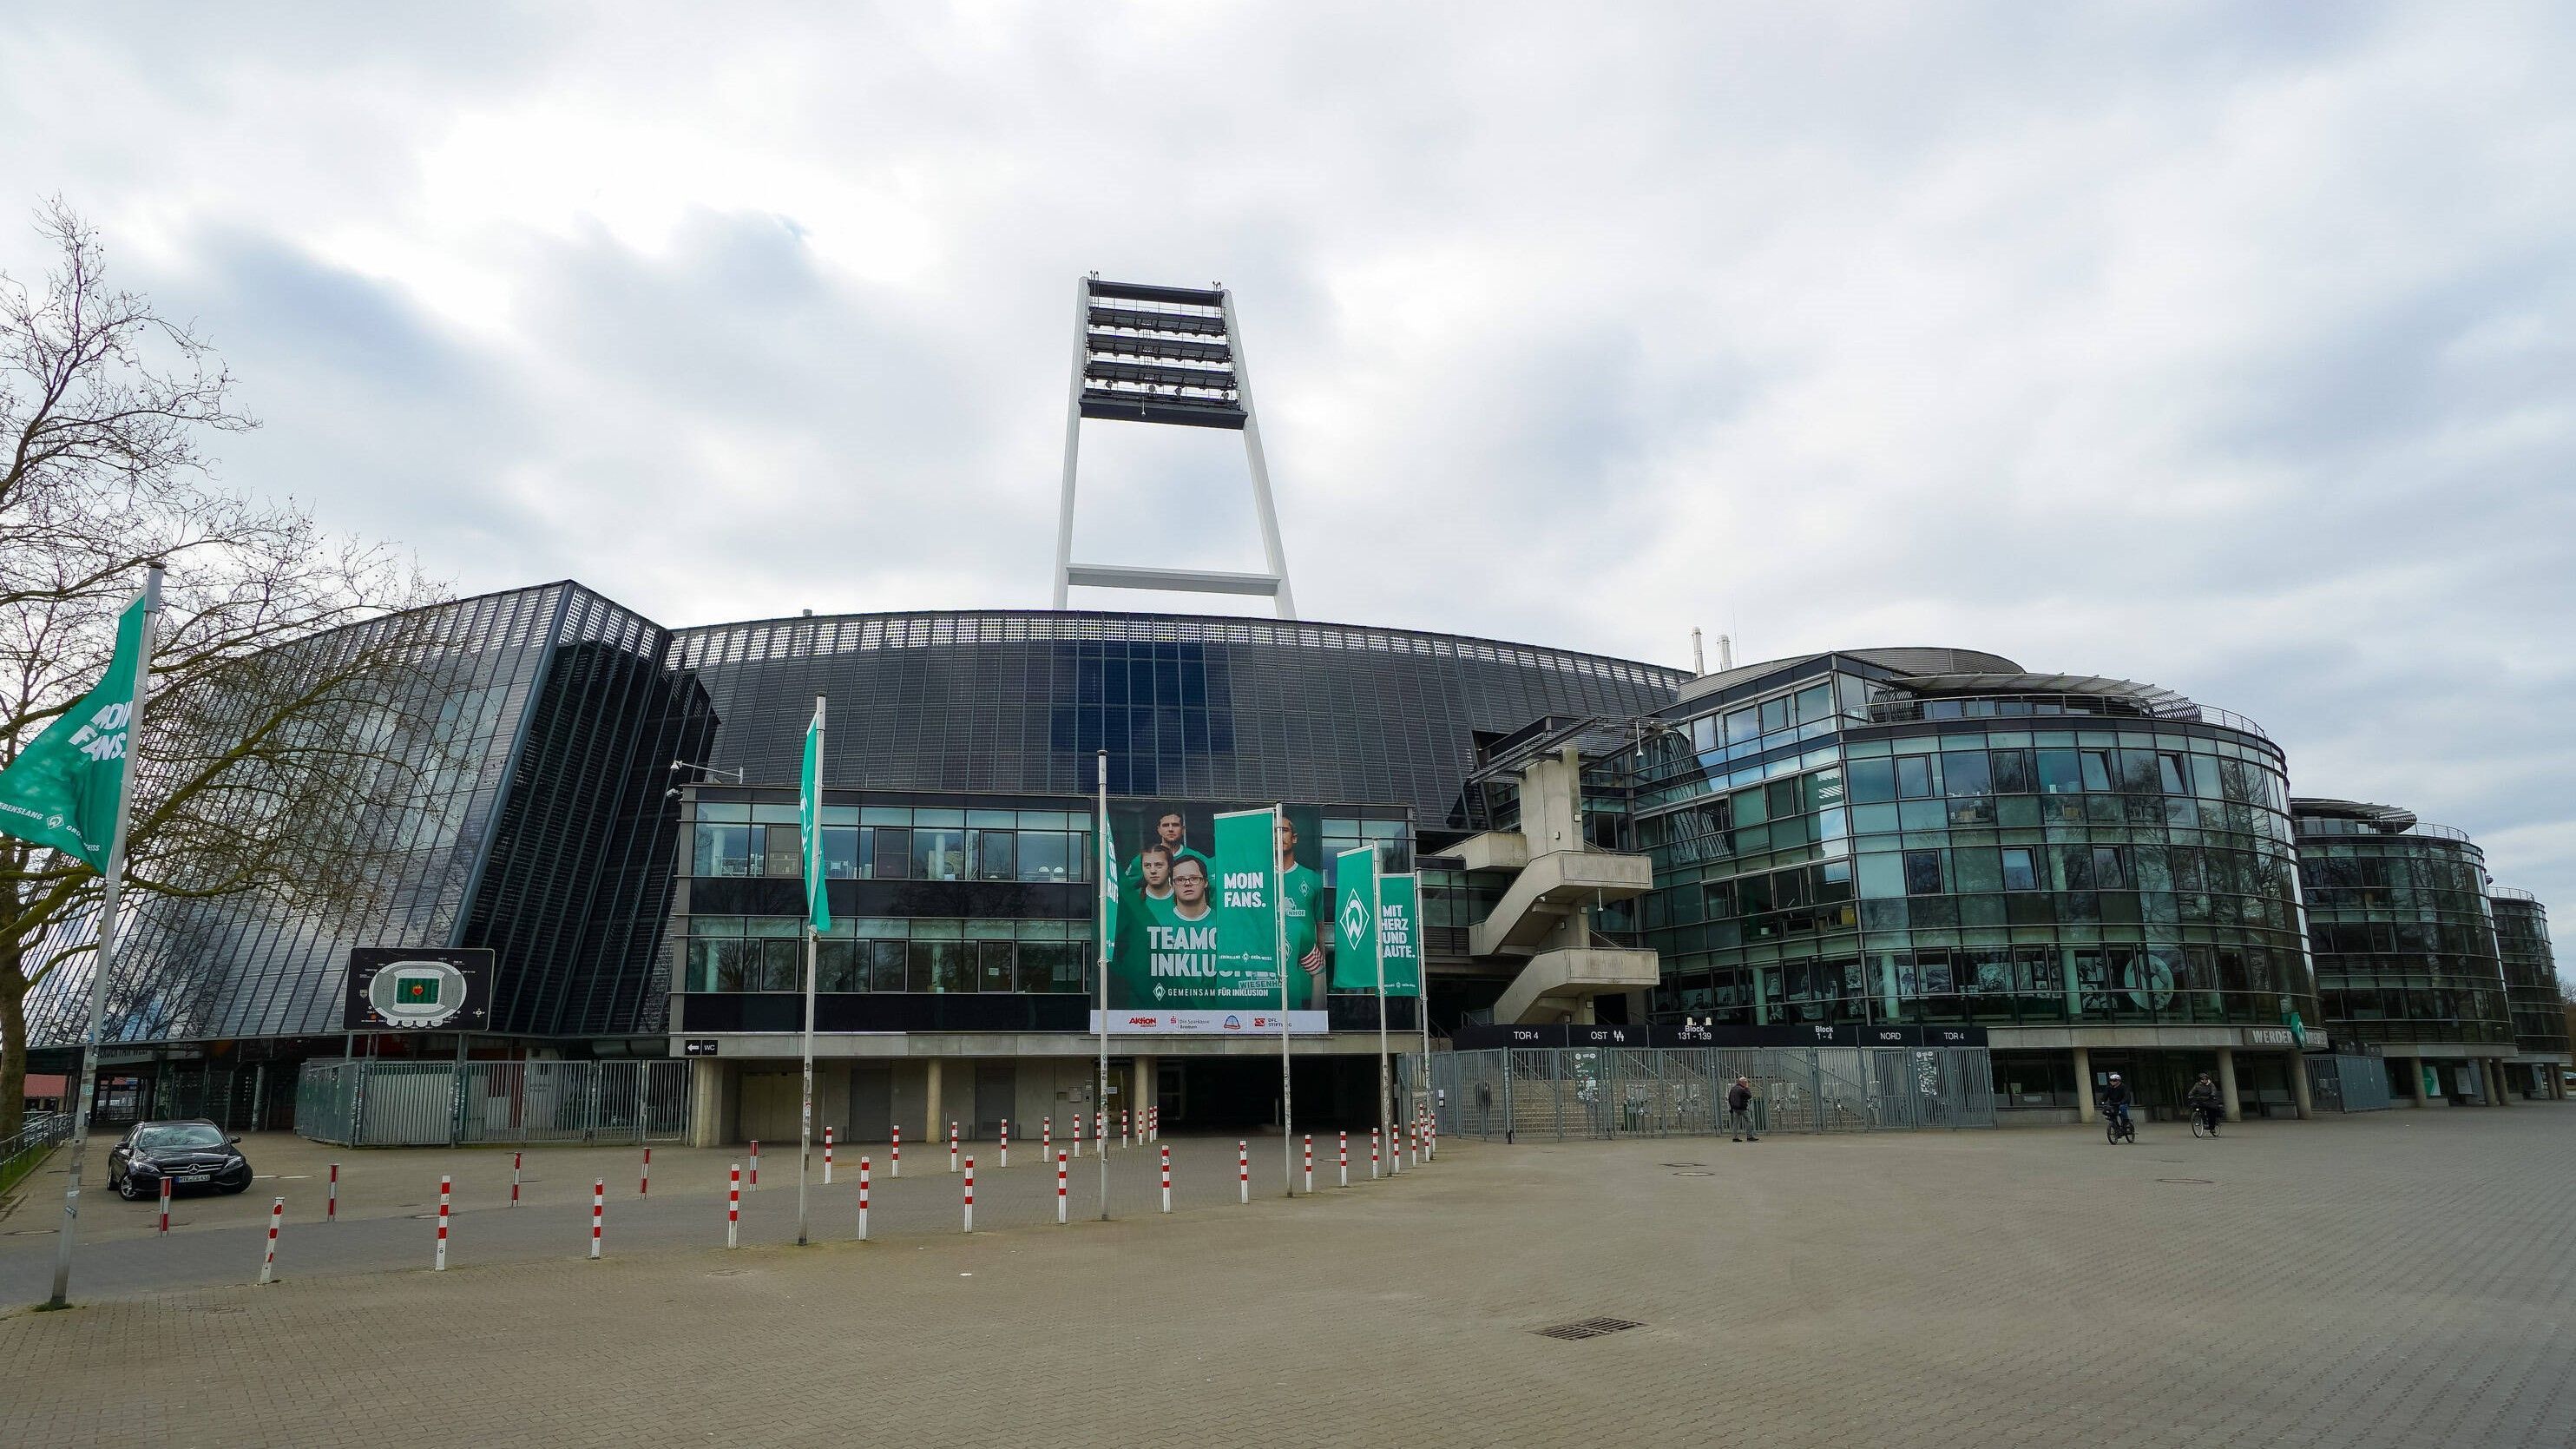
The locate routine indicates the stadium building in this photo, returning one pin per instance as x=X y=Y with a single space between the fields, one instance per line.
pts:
x=1871 y=847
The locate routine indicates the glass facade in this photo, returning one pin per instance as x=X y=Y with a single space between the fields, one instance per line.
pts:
x=2398 y=918
x=532 y=764
x=2531 y=989
x=1841 y=841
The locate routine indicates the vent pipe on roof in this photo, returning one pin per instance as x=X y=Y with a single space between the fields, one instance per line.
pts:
x=1725 y=652
x=1699 y=659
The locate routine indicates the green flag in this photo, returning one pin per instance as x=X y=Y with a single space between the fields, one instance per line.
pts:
x=1397 y=935
x=1247 y=937
x=809 y=822
x=62 y=789
x=1355 y=919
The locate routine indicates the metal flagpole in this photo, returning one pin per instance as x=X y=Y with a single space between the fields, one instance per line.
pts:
x=1279 y=932
x=1385 y=1087
x=1100 y=1103
x=813 y=884
x=81 y=1084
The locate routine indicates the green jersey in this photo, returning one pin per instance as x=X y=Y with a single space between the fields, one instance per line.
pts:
x=1131 y=876
x=1301 y=894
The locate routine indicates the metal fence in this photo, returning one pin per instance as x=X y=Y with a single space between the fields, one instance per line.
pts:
x=1557 y=1093
x=2342 y=1082
x=427 y=1104
x=34 y=1138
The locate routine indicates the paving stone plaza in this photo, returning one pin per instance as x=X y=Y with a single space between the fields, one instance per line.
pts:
x=2399 y=1279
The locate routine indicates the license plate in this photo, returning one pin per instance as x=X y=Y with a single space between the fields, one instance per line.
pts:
x=194 y=1176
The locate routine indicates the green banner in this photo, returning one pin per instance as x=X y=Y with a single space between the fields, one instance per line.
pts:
x=809 y=823
x=62 y=789
x=1247 y=928
x=1355 y=930
x=1399 y=936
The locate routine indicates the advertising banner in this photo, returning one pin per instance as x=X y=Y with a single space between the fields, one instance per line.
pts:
x=399 y=988
x=1398 y=912
x=1355 y=919
x=1187 y=905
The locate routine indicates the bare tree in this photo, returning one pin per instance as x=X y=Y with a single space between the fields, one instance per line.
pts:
x=277 y=738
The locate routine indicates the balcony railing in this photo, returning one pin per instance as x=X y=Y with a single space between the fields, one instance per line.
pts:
x=1910 y=709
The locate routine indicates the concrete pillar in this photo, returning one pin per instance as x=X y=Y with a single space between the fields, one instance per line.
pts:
x=1141 y=1089
x=710 y=1084
x=934 y=1128
x=2299 y=1086
x=2500 y=1093
x=2229 y=1106
x=2083 y=1085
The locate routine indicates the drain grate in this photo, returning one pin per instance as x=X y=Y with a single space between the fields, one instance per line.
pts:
x=2190 y=1181
x=1587 y=1328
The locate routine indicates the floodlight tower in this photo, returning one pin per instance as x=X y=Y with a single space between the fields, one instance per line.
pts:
x=1171 y=355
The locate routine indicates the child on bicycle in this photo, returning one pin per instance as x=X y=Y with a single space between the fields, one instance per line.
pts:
x=2115 y=1100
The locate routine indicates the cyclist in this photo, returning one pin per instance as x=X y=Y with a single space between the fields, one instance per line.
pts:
x=2203 y=1098
x=2115 y=1102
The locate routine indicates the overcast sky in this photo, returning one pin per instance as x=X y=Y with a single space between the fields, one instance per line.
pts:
x=2227 y=346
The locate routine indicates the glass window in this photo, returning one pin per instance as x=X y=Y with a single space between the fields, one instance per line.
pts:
x=1775 y=714
x=837 y=965
x=1965 y=774
x=1816 y=702
x=995 y=957
x=2109 y=871
x=840 y=852
x=950 y=968
x=2021 y=873
x=2097 y=770
x=1914 y=777
x=993 y=852
x=1923 y=873
x=1977 y=868
x=1044 y=855
x=885 y=965
x=723 y=850
x=1742 y=725
x=890 y=853
x=938 y=854
x=2060 y=773
x=1872 y=782
x=2011 y=772
x=2173 y=774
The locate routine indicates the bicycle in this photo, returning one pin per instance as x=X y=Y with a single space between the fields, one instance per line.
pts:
x=2204 y=1121
x=2119 y=1127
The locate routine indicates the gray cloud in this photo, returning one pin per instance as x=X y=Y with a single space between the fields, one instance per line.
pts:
x=2226 y=347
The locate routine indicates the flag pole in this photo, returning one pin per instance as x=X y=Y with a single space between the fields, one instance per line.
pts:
x=1385 y=1090
x=81 y=1085
x=810 y=796
x=1100 y=928
x=1279 y=934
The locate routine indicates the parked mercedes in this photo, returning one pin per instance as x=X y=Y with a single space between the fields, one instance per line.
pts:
x=189 y=1154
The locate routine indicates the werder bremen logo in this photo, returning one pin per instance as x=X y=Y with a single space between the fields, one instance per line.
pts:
x=1354 y=921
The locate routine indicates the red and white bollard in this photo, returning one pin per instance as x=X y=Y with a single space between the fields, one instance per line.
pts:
x=1077 y=1134
x=1243 y=1167
x=1346 y=1159
x=1059 y=1184
x=1154 y=1124
x=970 y=1195
x=439 y=1263
x=1167 y=1179
x=733 y=1209
x=827 y=1157
x=644 y=1175
x=598 y=1211
x=952 y=1147
x=1046 y=1139
x=1372 y=1143
x=165 y=1204
x=755 y=1162
x=268 y=1264
x=1395 y=1149
x=1006 y=1142
x=1100 y=1138
x=330 y=1205
x=863 y=1199
x=1123 y=1139
x=894 y=1154
x=514 y=1177
x=1310 y=1162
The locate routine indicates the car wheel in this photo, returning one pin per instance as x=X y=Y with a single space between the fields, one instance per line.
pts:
x=126 y=1189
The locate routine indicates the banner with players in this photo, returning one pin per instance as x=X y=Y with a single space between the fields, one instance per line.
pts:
x=1196 y=943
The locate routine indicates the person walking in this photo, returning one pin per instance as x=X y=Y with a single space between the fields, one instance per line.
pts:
x=1739 y=1111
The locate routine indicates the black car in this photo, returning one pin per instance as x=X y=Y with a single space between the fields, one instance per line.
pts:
x=189 y=1154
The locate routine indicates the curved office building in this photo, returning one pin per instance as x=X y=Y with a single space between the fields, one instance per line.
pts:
x=2531 y=994
x=2097 y=872
x=2405 y=946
